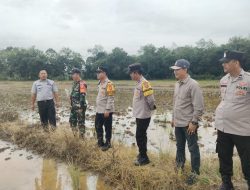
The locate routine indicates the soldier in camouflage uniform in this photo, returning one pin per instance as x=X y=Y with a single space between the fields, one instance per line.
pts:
x=78 y=103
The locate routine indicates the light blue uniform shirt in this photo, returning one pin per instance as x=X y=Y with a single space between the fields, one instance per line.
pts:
x=44 y=89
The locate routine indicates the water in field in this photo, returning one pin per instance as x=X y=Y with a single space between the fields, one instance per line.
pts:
x=160 y=133
x=22 y=170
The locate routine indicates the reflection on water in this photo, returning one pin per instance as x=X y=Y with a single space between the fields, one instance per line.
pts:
x=21 y=170
x=49 y=178
x=83 y=181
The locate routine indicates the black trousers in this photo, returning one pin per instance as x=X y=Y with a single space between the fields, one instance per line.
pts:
x=224 y=148
x=141 y=135
x=100 y=120
x=47 y=112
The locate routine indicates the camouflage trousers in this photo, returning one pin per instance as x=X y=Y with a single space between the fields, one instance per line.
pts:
x=77 y=119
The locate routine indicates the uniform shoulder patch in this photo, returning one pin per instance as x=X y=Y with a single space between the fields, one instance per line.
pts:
x=83 y=87
x=147 y=88
x=110 y=89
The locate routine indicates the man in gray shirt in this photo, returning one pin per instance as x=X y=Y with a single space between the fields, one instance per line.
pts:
x=232 y=118
x=187 y=110
x=143 y=105
x=44 y=91
x=105 y=104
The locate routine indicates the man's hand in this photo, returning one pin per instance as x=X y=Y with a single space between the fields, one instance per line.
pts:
x=172 y=123
x=191 y=128
x=106 y=114
x=33 y=100
x=57 y=104
x=33 y=107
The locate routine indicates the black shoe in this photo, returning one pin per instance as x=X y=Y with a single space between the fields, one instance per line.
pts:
x=74 y=130
x=226 y=186
x=138 y=157
x=46 y=129
x=82 y=135
x=106 y=146
x=142 y=161
x=53 y=128
x=226 y=183
x=100 y=144
x=192 y=178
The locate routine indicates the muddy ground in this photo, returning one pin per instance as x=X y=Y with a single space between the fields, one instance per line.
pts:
x=15 y=107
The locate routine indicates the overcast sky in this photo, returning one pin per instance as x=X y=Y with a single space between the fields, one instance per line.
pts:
x=130 y=24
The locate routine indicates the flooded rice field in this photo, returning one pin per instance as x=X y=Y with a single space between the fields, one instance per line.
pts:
x=160 y=133
x=27 y=171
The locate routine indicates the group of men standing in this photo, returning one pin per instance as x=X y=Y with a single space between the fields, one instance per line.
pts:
x=232 y=119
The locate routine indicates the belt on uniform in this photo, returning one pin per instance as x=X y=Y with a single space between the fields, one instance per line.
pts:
x=45 y=100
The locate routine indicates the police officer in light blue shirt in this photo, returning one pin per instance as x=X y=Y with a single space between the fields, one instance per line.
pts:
x=44 y=91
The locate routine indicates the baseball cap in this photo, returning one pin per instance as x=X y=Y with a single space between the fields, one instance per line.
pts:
x=181 y=64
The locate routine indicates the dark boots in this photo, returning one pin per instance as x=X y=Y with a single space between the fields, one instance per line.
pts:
x=106 y=146
x=100 y=142
x=226 y=183
x=142 y=159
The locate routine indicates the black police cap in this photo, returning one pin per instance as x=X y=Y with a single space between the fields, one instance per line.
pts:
x=102 y=69
x=232 y=55
x=75 y=70
x=135 y=67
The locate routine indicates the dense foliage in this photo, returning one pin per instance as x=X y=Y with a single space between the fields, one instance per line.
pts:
x=24 y=64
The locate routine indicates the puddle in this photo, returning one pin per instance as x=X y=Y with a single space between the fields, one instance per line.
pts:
x=160 y=133
x=23 y=170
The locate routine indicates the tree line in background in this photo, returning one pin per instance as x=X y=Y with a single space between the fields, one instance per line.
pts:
x=24 y=64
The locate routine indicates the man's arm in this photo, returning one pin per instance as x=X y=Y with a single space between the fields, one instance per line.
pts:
x=55 y=93
x=111 y=99
x=198 y=106
x=33 y=100
x=33 y=96
x=148 y=94
x=151 y=102
x=197 y=102
x=175 y=91
x=56 y=96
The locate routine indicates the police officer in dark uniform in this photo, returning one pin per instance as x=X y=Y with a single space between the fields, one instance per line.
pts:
x=232 y=118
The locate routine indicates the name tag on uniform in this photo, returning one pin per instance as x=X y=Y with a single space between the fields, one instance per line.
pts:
x=241 y=89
